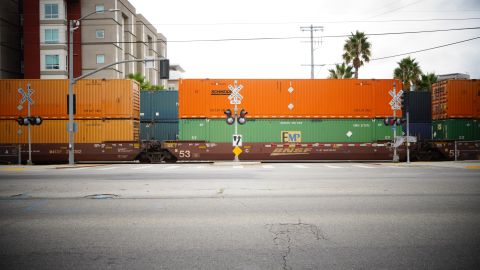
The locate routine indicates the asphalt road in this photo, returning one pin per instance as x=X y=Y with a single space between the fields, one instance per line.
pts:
x=247 y=216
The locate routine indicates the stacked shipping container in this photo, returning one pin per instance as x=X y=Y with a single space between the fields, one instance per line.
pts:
x=159 y=115
x=288 y=110
x=106 y=112
x=456 y=110
x=420 y=114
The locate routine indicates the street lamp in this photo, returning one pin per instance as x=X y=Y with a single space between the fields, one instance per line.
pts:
x=74 y=25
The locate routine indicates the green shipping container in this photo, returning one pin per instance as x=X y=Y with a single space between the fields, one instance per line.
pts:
x=456 y=129
x=161 y=131
x=286 y=130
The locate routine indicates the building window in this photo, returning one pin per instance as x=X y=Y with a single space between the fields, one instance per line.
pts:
x=52 y=62
x=51 y=36
x=51 y=11
x=99 y=8
x=100 y=58
x=100 y=33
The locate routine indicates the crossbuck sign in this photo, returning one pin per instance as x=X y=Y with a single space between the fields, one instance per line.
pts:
x=26 y=96
x=235 y=97
x=395 y=102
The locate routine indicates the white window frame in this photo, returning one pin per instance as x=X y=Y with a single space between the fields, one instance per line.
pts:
x=100 y=8
x=100 y=56
x=54 y=66
x=52 y=41
x=51 y=15
x=98 y=31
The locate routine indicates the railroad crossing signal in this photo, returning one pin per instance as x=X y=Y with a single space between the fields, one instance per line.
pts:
x=396 y=102
x=26 y=96
x=242 y=119
x=235 y=97
x=229 y=116
x=33 y=120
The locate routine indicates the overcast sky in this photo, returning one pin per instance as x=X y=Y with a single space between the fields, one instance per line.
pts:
x=185 y=21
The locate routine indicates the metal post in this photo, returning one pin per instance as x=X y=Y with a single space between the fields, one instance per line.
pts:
x=236 y=159
x=408 y=136
x=456 y=151
x=29 y=161
x=71 y=158
x=19 y=147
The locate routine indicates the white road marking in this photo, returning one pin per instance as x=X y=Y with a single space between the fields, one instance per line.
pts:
x=300 y=166
x=199 y=167
x=142 y=167
x=107 y=168
x=363 y=166
x=238 y=167
x=268 y=167
x=333 y=166
x=76 y=169
x=171 y=167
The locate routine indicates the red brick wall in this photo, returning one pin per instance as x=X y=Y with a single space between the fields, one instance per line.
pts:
x=74 y=12
x=31 y=39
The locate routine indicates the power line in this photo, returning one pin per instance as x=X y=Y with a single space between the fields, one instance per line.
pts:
x=412 y=52
x=396 y=9
x=428 y=49
x=263 y=38
x=298 y=22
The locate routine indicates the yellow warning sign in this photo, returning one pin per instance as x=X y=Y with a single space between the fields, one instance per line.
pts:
x=237 y=150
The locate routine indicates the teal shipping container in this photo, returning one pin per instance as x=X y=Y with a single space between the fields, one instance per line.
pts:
x=158 y=105
x=456 y=129
x=161 y=131
x=288 y=131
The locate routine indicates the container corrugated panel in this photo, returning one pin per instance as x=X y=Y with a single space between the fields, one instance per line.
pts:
x=288 y=130
x=419 y=106
x=456 y=99
x=270 y=98
x=158 y=105
x=161 y=131
x=423 y=131
x=456 y=129
x=55 y=131
x=94 y=99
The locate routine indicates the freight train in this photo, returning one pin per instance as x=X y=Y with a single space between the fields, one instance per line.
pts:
x=286 y=120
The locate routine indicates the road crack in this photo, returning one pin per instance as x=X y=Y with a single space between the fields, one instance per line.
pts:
x=289 y=236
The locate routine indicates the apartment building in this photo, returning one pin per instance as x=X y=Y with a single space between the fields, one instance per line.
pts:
x=152 y=44
x=102 y=38
x=10 y=39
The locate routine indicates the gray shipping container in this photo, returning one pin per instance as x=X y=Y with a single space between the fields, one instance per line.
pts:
x=423 y=131
x=419 y=106
x=158 y=105
x=161 y=131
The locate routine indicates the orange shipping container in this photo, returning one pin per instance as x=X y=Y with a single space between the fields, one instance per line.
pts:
x=271 y=98
x=55 y=131
x=94 y=99
x=456 y=99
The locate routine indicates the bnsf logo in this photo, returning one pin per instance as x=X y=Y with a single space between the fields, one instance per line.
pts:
x=291 y=136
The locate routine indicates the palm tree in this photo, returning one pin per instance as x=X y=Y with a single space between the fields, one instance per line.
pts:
x=144 y=84
x=341 y=72
x=408 y=71
x=426 y=81
x=357 y=50
x=140 y=79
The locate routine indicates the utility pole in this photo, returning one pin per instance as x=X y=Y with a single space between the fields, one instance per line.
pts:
x=312 y=28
